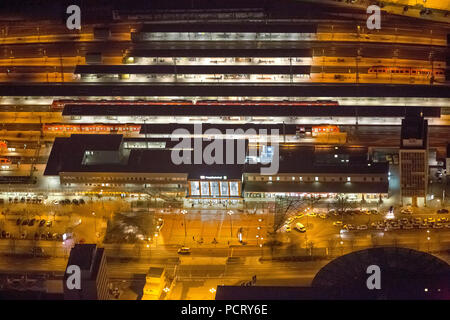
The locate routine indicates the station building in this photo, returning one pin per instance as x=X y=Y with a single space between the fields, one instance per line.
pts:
x=146 y=165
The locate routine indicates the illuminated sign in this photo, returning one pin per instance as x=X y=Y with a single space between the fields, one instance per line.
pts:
x=213 y=177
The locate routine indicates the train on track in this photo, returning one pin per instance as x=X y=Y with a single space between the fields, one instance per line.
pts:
x=5 y=161
x=59 y=104
x=98 y=128
x=91 y=128
x=411 y=71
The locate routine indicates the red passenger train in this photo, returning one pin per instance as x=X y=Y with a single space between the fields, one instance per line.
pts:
x=412 y=71
x=135 y=128
x=91 y=128
x=59 y=104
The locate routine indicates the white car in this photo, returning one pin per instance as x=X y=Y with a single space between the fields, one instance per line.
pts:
x=362 y=227
x=184 y=250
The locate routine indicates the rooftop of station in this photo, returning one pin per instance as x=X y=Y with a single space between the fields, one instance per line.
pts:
x=224 y=90
x=225 y=52
x=171 y=127
x=189 y=69
x=71 y=155
x=248 y=110
x=237 y=27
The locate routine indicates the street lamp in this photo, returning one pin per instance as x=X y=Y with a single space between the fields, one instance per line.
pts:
x=230 y=212
x=185 y=230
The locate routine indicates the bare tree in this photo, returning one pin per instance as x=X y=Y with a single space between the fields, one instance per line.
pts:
x=284 y=206
x=341 y=204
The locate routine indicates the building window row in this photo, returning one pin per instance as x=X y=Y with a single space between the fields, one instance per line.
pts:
x=314 y=178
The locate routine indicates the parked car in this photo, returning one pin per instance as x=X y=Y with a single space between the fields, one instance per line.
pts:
x=447 y=225
x=406 y=211
x=81 y=201
x=31 y=223
x=442 y=211
x=322 y=215
x=404 y=220
x=18 y=221
x=337 y=223
x=407 y=226
x=3 y=234
x=311 y=214
x=431 y=220
x=300 y=227
x=25 y=222
x=362 y=227
x=42 y=223
x=43 y=237
x=49 y=223
x=438 y=226
x=423 y=226
x=184 y=250
x=373 y=211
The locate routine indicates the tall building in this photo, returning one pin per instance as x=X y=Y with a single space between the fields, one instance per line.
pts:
x=94 y=278
x=414 y=159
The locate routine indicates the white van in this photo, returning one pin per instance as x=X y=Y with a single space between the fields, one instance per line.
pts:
x=300 y=227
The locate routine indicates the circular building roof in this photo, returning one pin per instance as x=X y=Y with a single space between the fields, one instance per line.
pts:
x=404 y=274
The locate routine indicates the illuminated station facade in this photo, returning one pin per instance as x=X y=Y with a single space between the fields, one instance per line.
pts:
x=118 y=121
